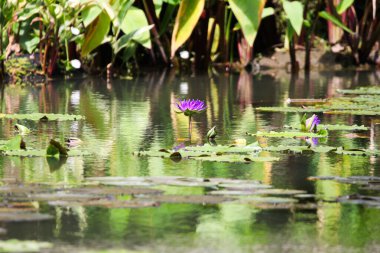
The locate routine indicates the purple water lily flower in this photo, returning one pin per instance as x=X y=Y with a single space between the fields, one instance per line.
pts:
x=312 y=123
x=191 y=106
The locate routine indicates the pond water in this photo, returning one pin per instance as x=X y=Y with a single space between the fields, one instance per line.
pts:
x=132 y=115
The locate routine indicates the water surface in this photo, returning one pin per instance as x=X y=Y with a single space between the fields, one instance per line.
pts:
x=131 y=115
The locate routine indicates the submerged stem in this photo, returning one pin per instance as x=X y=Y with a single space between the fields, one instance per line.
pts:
x=190 y=127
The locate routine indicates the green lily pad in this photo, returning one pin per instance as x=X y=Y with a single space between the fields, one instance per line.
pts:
x=354 y=112
x=335 y=127
x=42 y=116
x=358 y=152
x=23 y=246
x=321 y=134
x=236 y=159
x=225 y=149
x=39 y=153
x=374 y=90
x=16 y=143
x=300 y=149
x=290 y=109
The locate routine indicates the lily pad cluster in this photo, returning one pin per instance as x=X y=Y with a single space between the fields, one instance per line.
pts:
x=361 y=101
x=140 y=192
x=368 y=187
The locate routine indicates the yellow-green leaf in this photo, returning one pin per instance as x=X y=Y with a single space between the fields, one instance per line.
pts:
x=248 y=13
x=187 y=17
x=96 y=33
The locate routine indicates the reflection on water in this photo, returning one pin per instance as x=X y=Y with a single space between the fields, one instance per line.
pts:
x=131 y=115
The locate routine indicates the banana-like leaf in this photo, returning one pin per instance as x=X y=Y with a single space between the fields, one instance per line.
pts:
x=125 y=39
x=187 y=17
x=134 y=20
x=248 y=14
x=294 y=13
x=96 y=33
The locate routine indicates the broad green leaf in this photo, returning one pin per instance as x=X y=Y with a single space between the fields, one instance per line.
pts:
x=96 y=33
x=90 y=13
x=125 y=39
x=294 y=13
x=187 y=17
x=248 y=14
x=335 y=21
x=267 y=12
x=344 y=5
x=134 y=20
x=106 y=9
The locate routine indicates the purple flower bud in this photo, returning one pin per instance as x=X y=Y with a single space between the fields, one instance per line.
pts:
x=312 y=123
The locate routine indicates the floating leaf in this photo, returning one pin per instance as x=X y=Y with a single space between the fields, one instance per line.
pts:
x=374 y=90
x=337 y=127
x=321 y=134
x=225 y=149
x=290 y=109
x=39 y=116
x=23 y=246
x=354 y=112
x=39 y=153
x=16 y=143
x=236 y=159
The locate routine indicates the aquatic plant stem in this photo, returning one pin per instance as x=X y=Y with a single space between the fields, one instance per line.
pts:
x=190 y=127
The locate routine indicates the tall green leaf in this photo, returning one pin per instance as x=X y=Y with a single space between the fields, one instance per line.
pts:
x=294 y=13
x=344 y=5
x=187 y=17
x=249 y=14
x=335 y=21
x=134 y=20
x=96 y=33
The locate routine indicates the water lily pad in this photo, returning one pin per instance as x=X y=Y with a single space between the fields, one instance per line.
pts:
x=192 y=199
x=23 y=246
x=236 y=159
x=100 y=190
x=273 y=134
x=300 y=149
x=24 y=216
x=290 y=109
x=135 y=203
x=40 y=153
x=42 y=116
x=354 y=112
x=374 y=90
x=358 y=152
x=335 y=127
x=244 y=186
x=225 y=149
